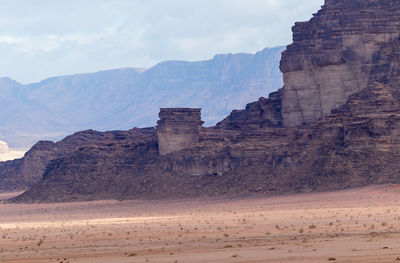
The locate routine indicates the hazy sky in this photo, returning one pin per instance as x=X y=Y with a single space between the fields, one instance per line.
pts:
x=43 y=38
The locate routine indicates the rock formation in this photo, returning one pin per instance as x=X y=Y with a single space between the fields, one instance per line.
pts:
x=334 y=125
x=257 y=115
x=178 y=129
x=334 y=55
x=21 y=174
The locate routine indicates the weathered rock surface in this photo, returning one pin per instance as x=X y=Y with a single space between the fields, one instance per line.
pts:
x=111 y=168
x=359 y=144
x=23 y=173
x=178 y=129
x=335 y=55
x=334 y=125
x=260 y=114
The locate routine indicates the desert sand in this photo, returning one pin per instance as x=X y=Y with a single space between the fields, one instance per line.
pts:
x=360 y=225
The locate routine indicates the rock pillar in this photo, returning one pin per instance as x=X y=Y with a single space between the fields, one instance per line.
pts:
x=178 y=128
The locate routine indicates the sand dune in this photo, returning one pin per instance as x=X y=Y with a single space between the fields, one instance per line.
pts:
x=360 y=225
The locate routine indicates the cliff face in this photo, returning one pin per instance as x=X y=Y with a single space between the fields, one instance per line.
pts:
x=334 y=125
x=359 y=144
x=335 y=55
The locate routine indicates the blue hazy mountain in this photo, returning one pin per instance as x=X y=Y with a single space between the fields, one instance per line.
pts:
x=130 y=97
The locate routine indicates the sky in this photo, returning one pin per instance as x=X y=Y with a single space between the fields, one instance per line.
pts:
x=45 y=38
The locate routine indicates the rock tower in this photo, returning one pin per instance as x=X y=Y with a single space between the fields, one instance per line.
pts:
x=178 y=128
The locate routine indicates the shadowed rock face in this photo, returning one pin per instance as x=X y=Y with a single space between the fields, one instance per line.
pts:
x=260 y=114
x=335 y=125
x=355 y=146
x=23 y=173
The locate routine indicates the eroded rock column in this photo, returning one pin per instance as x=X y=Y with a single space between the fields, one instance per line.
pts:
x=178 y=128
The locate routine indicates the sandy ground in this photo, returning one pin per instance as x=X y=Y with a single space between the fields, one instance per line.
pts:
x=361 y=225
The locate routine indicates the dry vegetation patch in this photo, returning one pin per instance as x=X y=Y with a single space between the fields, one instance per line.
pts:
x=350 y=226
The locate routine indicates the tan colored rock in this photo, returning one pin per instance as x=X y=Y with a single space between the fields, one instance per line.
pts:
x=177 y=129
x=332 y=56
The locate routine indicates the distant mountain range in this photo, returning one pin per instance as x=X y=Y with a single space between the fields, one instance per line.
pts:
x=131 y=97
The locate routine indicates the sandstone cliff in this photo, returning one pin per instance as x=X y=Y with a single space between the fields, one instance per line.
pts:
x=334 y=125
x=335 y=55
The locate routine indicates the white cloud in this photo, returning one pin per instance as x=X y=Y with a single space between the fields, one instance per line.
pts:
x=9 y=40
x=51 y=42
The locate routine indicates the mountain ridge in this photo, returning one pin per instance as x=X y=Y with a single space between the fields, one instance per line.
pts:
x=130 y=97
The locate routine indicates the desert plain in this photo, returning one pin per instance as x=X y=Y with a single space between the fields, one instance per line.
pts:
x=359 y=225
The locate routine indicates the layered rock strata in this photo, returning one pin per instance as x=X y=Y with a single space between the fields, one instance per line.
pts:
x=23 y=173
x=177 y=129
x=335 y=125
x=359 y=144
x=257 y=115
x=334 y=56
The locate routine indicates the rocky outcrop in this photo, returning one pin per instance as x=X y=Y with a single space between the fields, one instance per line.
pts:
x=334 y=125
x=114 y=167
x=177 y=129
x=334 y=56
x=257 y=115
x=357 y=145
x=23 y=173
